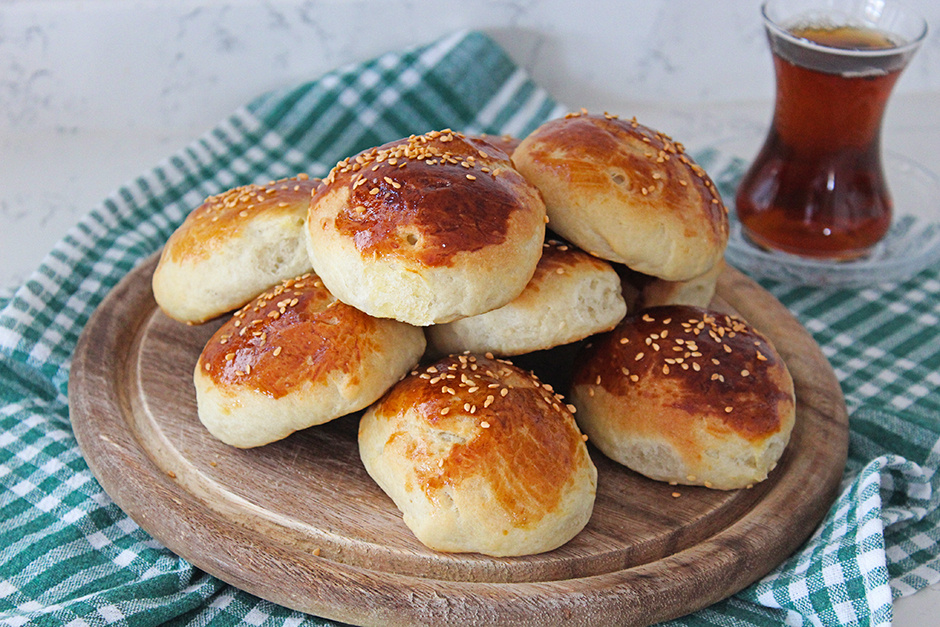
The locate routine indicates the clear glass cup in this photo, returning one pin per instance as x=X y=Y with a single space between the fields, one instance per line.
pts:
x=817 y=187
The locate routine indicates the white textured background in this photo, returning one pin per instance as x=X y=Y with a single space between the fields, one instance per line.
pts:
x=75 y=65
x=93 y=92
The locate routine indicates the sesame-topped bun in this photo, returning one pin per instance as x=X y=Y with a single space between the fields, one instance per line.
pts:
x=427 y=229
x=233 y=247
x=571 y=296
x=480 y=456
x=686 y=395
x=626 y=193
x=296 y=357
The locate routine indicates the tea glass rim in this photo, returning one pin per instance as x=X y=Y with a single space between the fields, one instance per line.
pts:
x=908 y=46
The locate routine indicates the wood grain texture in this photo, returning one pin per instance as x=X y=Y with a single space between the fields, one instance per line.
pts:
x=300 y=523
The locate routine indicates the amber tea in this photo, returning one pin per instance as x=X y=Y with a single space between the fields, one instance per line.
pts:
x=817 y=187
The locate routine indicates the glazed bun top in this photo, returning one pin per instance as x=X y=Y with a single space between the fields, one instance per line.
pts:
x=480 y=456
x=430 y=197
x=292 y=334
x=626 y=193
x=695 y=361
x=232 y=247
x=221 y=219
x=427 y=229
x=296 y=357
x=472 y=396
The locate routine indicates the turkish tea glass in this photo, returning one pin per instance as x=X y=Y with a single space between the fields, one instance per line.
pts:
x=817 y=187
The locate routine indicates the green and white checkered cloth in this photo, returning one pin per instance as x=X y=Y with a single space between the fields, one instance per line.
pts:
x=69 y=556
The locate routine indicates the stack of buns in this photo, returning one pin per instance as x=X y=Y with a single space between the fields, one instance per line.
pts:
x=401 y=282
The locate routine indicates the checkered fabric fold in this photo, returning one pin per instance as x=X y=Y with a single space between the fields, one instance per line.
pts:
x=70 y=556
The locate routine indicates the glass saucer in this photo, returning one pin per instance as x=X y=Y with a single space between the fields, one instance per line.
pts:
x=912 y=244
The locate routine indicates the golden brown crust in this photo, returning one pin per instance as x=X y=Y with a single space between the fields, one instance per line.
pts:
x=427 y=197
x=295 y=333
x=296 y=357
x=702 y=391
x=211 y=225
x=504 y=415
x=233 y=247
x=702 y=361
x=494 y=453
x=627 y=193
x=426 y=229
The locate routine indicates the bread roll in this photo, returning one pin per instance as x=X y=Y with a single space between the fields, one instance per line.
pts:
x=427 y=229
x=571 y=296
x=686 y=395
x=626 y=193
x=233 y=247
x=479 y=456
x=296 y=357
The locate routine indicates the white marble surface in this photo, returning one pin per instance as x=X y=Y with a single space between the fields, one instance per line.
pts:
x=94 y=92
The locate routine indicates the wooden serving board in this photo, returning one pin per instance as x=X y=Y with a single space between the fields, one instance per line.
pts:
x=301 y=524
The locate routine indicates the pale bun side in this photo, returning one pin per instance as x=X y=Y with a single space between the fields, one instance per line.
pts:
x=626 y=193
x=427 y=229
x=233 y=247
x=688 y=396
x=695 y=292
x=296 y=357
x=480 y=456
x=571 y=296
